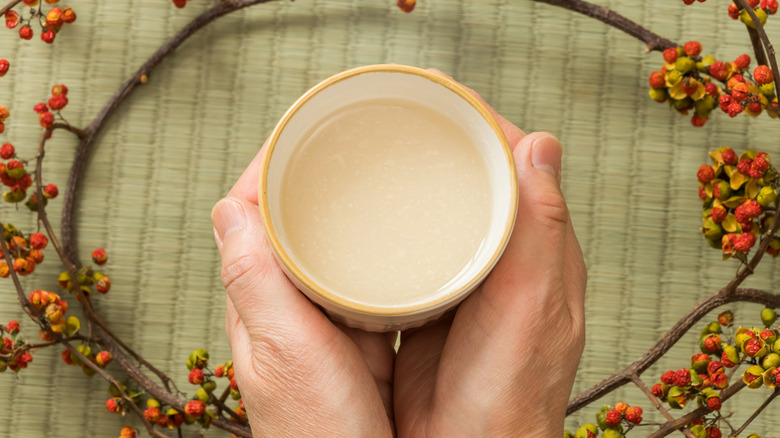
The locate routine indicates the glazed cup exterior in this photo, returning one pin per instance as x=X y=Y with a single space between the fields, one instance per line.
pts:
x=390 y=81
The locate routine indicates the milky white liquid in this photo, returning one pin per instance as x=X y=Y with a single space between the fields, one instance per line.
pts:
x=385 y=202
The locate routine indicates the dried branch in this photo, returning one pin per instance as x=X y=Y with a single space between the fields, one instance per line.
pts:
x=9 y=6
x=671 y=337
x=652 y=40
x=758 y=411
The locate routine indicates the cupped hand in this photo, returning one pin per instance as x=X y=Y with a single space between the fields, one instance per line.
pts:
x=502 y=365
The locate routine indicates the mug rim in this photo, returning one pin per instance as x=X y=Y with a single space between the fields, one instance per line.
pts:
x=369 y=309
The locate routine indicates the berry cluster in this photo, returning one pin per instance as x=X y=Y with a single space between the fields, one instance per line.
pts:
x=195 y=409
x=87 y=277
x=57 y=101
x=51 y=22
x=100 y=358
x=686 y=81
x=615 y=422
x=26 y=252
x=761 y=8
x=706 y=429
x=761 y=349
x=13 y=353
x=14 y=175
x=739 y=194
x=407 y=5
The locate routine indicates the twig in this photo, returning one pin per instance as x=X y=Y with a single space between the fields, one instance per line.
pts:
x=652 y=40
x=770 y=51
x=654 y=400
x=755 y=414
x=69 y=265
x=671 y=337
x=9 y=6
x=220 y=404
x=681 y=422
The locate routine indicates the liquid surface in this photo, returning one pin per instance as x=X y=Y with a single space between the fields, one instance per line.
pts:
x=385 y=202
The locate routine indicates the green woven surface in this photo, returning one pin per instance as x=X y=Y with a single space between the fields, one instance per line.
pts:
x=178 y=144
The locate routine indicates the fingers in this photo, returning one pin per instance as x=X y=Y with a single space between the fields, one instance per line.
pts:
x=262 y=295
x=513 y=133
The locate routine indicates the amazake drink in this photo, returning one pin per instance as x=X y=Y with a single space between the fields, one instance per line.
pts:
x=385 y=202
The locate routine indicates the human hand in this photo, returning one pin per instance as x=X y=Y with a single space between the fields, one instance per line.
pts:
x=494 y=369
x=299 y=374
x=504 y=364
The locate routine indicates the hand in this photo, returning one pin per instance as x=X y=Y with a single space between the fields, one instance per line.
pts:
x=502 y=365
x=299 y=374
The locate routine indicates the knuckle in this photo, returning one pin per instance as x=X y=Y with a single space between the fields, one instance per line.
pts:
x=552 y=208
x=242 y=270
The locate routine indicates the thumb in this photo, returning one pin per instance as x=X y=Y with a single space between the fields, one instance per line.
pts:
x=538 y=160
x=261 y=293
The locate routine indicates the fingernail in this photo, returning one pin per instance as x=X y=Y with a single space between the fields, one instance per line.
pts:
x=227 y=216
x=546 y=155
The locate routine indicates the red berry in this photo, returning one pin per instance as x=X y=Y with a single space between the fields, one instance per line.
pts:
x=103 y=285
x=714 y=403
x=670 y=55
x=712 y=343
x=719 y=380
x=712 y=89
x=38 y=241
x=195 y=408
x=742 y=62
x=114 y=405
x=634 y=414
x=41 y=108
x=66 y=357
x=152 y=415
x=748 y=210
x=682 y=377
x=12 y=327
x=613 y=417
x=68 y=15
x=233 y=384
x=718 y=214
x=706 y=173
x=753 y=3
x=698 y=121
x=733 y=11
x=58 y=102
x=7 y=151
x=407 y=5
x=658 y=390
x=196 y=376
x=46 y=119
x=48 y=36
x=713 y=432
x=692 y=48
x=11 y=19
x=729 y=156
x=59 y=89
x=219 y=371
x=54 y=17
x=688 y=2
x=724 y=101
x=25 y=32
x=180 y=3
x=4 y=65
x=714 y=367
x=50 y=191
x=734 y=109
x=103 y=358
x=719 y=70
x=100 y=256
x=657 y=80
x=740 y=92
x=760 y=162
x=744 y=166
x=703 y=194
x=744 y=242
x=763 y=75
x=770 y=6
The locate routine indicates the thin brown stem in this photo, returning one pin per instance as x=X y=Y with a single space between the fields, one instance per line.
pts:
x=671 y=337
x=220 y=404
x=654 y=400
x=758 y=411
x=652 y=40
x=9 y=6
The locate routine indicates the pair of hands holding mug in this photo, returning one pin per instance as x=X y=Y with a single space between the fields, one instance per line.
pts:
x=492 y=368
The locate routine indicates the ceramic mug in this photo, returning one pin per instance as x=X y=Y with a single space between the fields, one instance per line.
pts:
x=418 y=87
